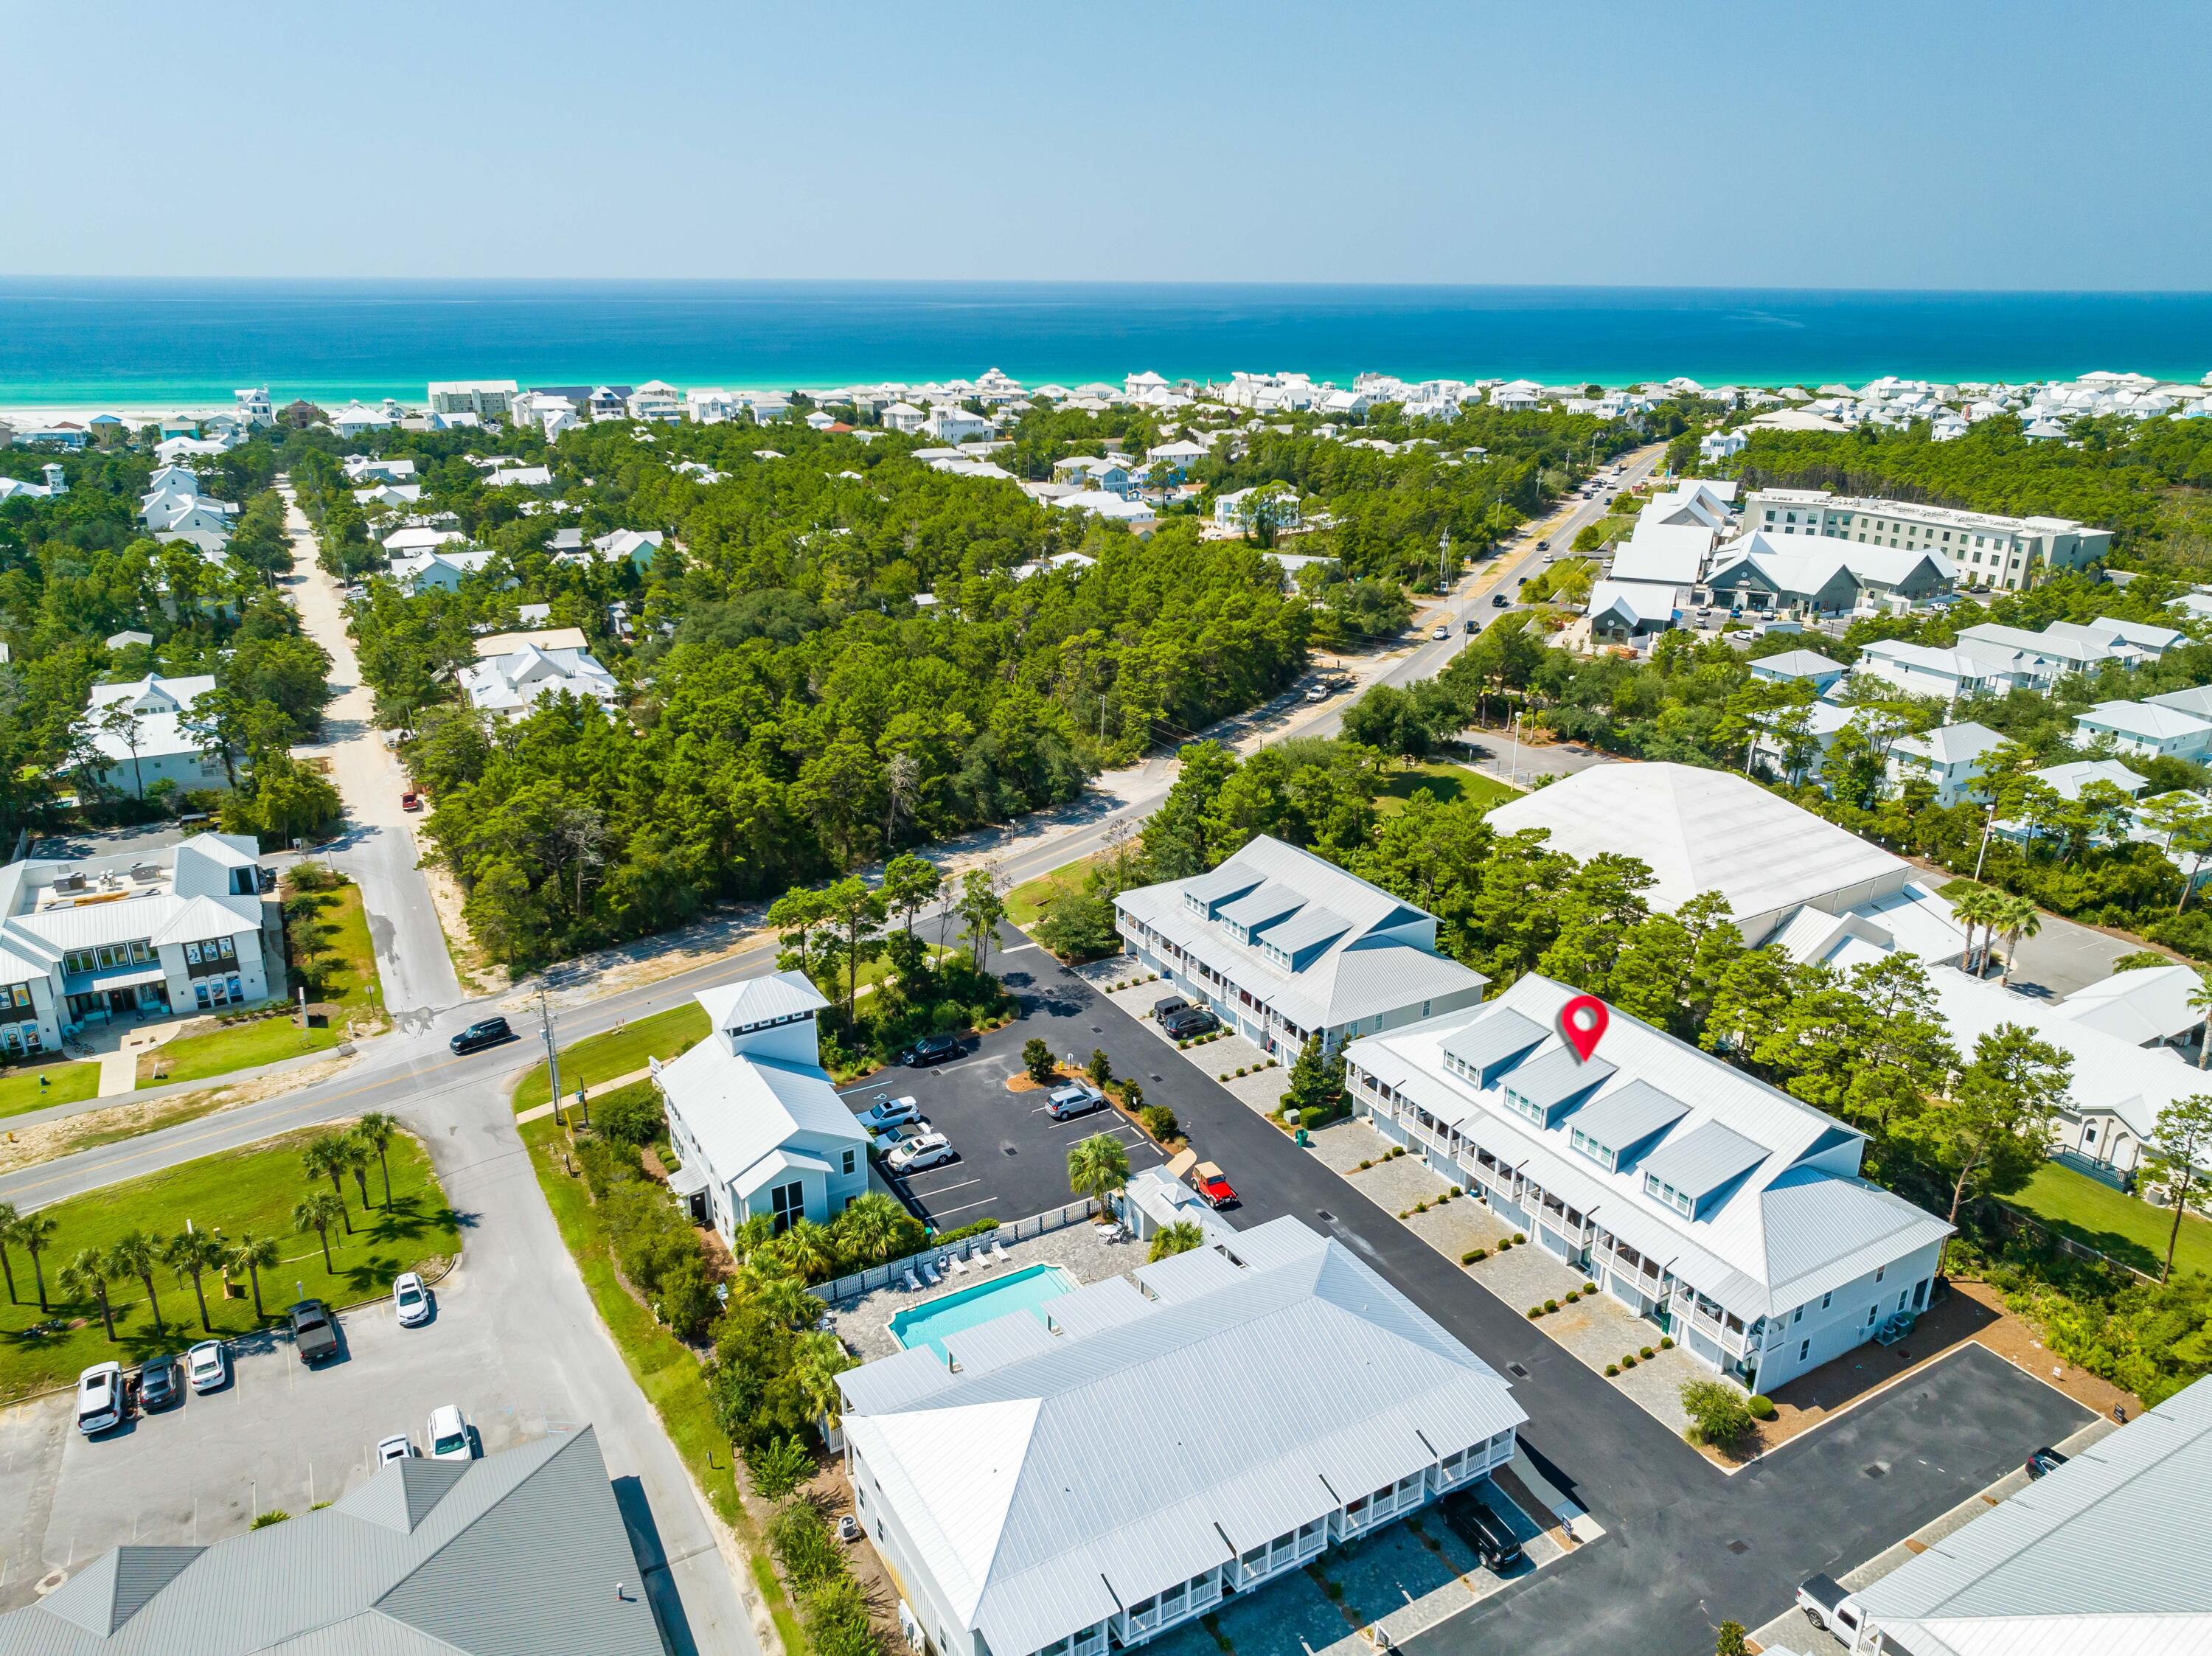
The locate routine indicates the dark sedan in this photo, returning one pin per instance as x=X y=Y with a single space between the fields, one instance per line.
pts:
x=930 y=1049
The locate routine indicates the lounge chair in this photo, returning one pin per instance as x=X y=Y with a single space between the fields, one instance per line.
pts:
x=929 y=1274
x=958 y=1268
x=912 y=1284
x=999 y=1248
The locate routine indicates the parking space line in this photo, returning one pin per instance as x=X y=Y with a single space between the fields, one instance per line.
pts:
x=942 y=1213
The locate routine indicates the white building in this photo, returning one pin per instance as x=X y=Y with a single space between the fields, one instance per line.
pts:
x=904 y=418
x=1240 y=508
x=141 y=732
x=182 y=929
x=1006 y=1484
x=2146 y=729
x=1282 y=943
x=752 y=1113
x=1721 y=444
x=1800 y=667
x=1726 y=1212
x=1104 y=503
x=950 y=423
x=443 y=567
x=1924 y=669
x=1949 y=758
x=355 y=418
x=512 y=683
x=488 y=399
x=1701 y=830
x=1991 y=551
x=2103 y=1556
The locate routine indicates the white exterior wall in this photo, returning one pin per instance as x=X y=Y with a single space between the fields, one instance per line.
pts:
x=190 y=770
x=1810 y=1335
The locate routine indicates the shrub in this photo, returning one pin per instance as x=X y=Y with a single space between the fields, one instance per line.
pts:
x=274 y=1515
x=1611 y=1369
x=630 y=1115
x=1240 y=1069
x=1159 y=1120
x=1645 y=1353
x=1589 y=1288
x=1456 y=1191
x=1132 y=1096
x=1666 y=1342
x=1181 y=1045
x=836 y=1615
x=1534 y=1312
x=803 y=1545
x=1551 y=1305
x=1223 y=1075
x=1518 y=1238
x=1572 y=1296
x=1420 y=1207
x=1761 y=1407
x=1365 y=1164
x=1036 y=1058
x=778 y=1466
x=1474 y=1254
x=1628 y=1361
x=1718 y=1414
x=1504 y=1243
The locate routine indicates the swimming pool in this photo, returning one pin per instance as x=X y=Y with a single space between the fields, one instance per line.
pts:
x=1025 y=1290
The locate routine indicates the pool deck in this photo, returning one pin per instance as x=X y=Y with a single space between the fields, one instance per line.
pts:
x=865 y=1323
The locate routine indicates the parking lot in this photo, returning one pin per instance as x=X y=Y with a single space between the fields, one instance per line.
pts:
x=279 y=1437
x=1012 y=1158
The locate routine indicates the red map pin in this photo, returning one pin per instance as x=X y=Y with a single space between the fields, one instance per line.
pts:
x=1581 y=1021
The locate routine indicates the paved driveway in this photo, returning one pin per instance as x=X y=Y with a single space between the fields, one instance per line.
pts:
x=1014 y=1157
x=1686 y=1546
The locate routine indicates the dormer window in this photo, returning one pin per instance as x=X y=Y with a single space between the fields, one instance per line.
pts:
x=1601 y=1154
x=1524 y=1107
x=1681 y=1201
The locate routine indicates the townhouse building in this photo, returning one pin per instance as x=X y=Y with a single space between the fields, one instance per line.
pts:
x=1281 y=944
x=1726 y=1212
x=1005 y=1481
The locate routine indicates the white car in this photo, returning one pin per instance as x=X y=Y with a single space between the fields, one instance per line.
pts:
x=889 y=1113
x=1317 y=691
x=1440 y=633
x=412 y=1299
x=99 y=1398
x=206 y=1366
x=448 y=1435
x=396 y=1448
x=929 y=1150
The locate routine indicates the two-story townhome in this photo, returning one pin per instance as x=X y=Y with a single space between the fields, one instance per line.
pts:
x=753 y=1115
x=2146 y=729
x=949 y=423
x=2048 y=655
x=1009 y=1478
x=1923 y=670
x=1949 y=758
x=186 y=928
x=1240 y=508
x=1725 y=1211
x=1281 y=944
x=1800 y=667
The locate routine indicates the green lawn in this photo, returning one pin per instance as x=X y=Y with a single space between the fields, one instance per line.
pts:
x=2112 y=1221
x=65 y=1084
x=1026 y=902
x=238 y=1046
x=253 y=1190
x=341 y=926
x=601 y=1058
x=1447 y=782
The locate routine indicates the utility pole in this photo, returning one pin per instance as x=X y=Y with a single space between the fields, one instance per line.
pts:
x=1986 y=827
x=552 y=1054
x=1516 y=777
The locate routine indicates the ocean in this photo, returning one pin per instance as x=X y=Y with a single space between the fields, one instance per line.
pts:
x=84 y=343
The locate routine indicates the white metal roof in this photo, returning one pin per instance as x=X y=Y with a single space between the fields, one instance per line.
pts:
x=2106 y=1556
x=1017 y=1484
x=1791 y=1221
x=1703 y=830
x=2151 y=1004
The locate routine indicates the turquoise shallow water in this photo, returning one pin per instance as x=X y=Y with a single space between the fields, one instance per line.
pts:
x=980 y=1302
x=77 y=342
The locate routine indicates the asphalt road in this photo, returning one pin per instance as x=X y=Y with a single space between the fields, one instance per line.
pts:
x=1687 y=1546
x=1470 y=596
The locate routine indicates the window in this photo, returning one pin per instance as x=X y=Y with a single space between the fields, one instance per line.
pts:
x=1804 y=1349
x=1798 y=1316
x=1600 y=1154
x=1523 y=1106
x=1824 y=1298
x=788 y=1202
x=1878 y=1269
x=848 y=1161
x=1681 y=1201
x=1873 y=1311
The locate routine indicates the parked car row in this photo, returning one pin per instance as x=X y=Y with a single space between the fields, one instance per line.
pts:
x=449 y=1436
x=1181 y=1020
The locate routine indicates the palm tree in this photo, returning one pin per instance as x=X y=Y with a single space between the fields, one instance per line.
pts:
x=253 y=1255
x=317 y=1212
x=870 y=1226
x=785 y=1299
x=7 y=1234
x=1180 y=1237
x=327 y=1158
x=32 y=1233
x=357 y=1153
x=132 y=1254
x=85 y=1277
x=2018 y=918
x=807 y=1249
x=192 y=1253
x=1975 y=908
x=1098 y=1167
x=821 y=1358
x=375 y=1129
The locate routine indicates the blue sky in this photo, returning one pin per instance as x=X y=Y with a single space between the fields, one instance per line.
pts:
x=1936 y=144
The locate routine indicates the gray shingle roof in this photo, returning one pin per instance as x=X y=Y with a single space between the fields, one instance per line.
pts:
x=519 y=1555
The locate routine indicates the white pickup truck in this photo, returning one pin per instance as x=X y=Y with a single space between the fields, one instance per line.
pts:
x=1828 y=1604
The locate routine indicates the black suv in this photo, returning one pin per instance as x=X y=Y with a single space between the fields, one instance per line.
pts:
x=1191 y=1020
x=486 y=1032
x=930 y=1049
x=1494 y=1538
